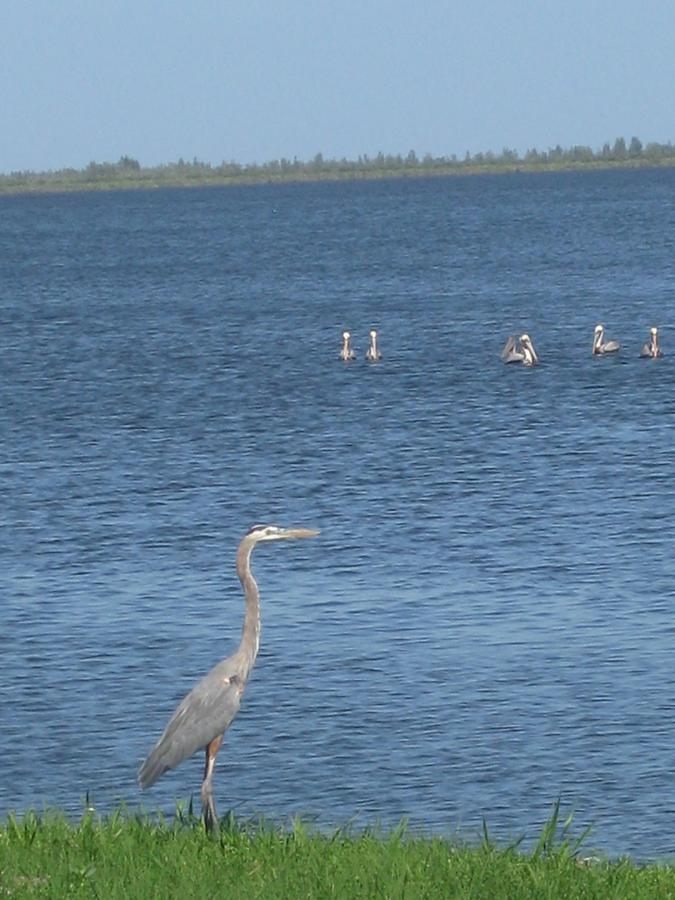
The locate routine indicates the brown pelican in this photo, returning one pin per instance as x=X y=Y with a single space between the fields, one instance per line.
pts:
x=525 y=353
x=600 y=347
x=651 y=349
x=372 y=353
x=346 y=353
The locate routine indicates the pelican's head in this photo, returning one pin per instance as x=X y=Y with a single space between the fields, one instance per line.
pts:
x=599 y=329
x=528 y=349
x=275 y=533
x=345 y=335
x=373 y=334
x=654 y=331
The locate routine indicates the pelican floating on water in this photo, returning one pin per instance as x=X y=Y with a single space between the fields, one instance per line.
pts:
x=525 y=353
x=600 y=346
x=346 y=353
x=372 y=353
x=652 y=349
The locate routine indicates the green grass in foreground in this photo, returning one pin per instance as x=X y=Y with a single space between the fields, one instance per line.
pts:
x=127 y=856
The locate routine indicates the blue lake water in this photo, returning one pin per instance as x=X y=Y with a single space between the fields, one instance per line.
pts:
x=487 y=621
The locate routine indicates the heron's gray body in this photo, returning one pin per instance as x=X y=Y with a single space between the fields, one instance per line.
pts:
x=205 y=714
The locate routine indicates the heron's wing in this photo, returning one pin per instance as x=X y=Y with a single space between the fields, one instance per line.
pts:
x=646 y=350
x=611 y=347
x=206 y=712
x=510 y=353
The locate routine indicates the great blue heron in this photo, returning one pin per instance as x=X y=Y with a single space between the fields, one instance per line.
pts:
x=525 y=353
x=372 y=353
x=346 y=353
x=601 y=347
x=205 y=714
x=652 y=348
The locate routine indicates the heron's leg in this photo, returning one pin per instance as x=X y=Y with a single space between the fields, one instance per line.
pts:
x=208 y=803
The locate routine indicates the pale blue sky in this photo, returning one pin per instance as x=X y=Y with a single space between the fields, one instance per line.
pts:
x=253 y=80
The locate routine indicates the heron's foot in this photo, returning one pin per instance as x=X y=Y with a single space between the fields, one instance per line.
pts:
x=209 y=813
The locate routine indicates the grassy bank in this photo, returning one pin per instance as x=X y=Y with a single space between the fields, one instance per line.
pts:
x=131 y=856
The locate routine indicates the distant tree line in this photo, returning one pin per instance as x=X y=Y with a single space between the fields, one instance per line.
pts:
x=128 y=172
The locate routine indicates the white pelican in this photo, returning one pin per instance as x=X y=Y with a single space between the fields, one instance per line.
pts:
x=372 y=353
x=346 y=353
x=600 y=346
x=651 y=349
x=525 y=353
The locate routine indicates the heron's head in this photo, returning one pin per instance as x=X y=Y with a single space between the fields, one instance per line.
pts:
x=345 y=335
x=654 y=330
x=275 y=533
x=599 y=329
x=373 y=333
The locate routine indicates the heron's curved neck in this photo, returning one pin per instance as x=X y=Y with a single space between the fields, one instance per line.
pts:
x=250 y=633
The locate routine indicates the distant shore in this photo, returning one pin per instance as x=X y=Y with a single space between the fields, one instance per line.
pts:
x=128 y=174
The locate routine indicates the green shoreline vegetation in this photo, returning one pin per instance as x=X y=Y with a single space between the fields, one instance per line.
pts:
x=128 y=173
x=129 y=856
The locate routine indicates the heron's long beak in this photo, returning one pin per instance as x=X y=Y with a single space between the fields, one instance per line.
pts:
x=300 y=532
